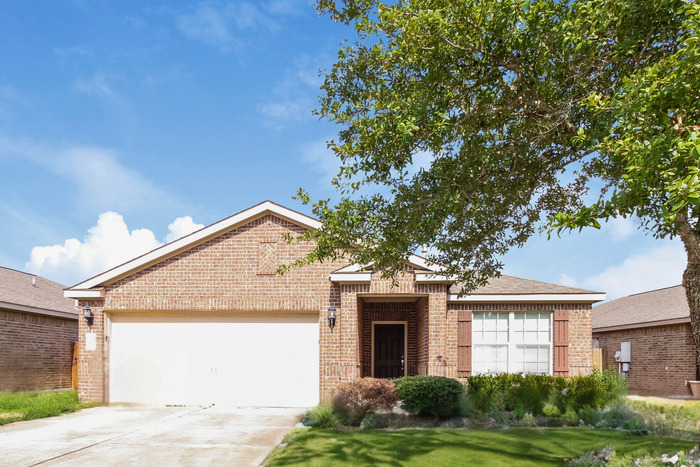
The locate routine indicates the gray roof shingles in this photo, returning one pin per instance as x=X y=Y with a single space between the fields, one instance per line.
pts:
x=17 y=288
x=646 y=307
x=505 y=285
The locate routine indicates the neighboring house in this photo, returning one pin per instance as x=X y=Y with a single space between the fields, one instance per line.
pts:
x=657 y=326
x=205 y=319
x=38 y=327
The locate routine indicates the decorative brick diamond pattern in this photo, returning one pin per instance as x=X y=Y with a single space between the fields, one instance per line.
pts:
x=267 y=258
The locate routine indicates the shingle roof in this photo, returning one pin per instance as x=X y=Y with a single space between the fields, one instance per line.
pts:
x=646 y=307
x=28 y=290
x=505 y=285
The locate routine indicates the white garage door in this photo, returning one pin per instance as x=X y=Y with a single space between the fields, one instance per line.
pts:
x=239 y=360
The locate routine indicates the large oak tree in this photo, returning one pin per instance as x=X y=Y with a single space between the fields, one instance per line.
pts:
x=527 y=109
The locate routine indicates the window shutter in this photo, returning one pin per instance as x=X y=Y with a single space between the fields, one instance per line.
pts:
x=464 y=343
x=561 y=342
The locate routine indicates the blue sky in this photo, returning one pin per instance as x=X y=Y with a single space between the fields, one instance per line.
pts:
x=124 y=125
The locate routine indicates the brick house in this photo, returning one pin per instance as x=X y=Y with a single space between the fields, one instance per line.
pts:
x=38 y=327
x=205 y=319
x=657 y=326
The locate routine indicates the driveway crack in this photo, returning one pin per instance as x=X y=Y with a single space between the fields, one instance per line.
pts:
x=159 y=422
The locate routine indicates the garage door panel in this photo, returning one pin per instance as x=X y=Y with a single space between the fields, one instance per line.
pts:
x=225 y=360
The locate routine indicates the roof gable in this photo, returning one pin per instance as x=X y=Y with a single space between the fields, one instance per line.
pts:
x=90 y=287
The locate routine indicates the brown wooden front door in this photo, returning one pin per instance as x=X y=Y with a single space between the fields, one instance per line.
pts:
x=389 y=358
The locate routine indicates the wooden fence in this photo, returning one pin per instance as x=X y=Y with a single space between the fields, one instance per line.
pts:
x=597 y=359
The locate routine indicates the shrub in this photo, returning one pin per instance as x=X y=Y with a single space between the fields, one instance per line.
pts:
x=321 y=416
x=551 y=396
x=354 y=399
x=595 y=390
x=433 y=395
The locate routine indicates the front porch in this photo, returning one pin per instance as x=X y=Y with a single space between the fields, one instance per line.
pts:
x=388 y=333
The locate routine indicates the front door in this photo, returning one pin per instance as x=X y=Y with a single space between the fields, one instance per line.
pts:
x=389 y=358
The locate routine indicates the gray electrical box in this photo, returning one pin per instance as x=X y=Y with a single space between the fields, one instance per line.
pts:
x=625 y=352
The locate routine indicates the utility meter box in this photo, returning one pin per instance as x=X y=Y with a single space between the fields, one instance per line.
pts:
x=625 y=352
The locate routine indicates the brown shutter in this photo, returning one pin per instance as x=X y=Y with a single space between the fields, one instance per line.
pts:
x=464 y=343
x=561 y=342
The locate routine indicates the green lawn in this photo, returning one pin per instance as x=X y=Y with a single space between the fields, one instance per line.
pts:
x=31 y=405
x=437 y=447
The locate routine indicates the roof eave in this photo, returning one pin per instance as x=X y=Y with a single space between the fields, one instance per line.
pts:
x=37 y=310
x=535 y=297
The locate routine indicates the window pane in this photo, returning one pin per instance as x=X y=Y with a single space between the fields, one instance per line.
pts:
x=528 y=351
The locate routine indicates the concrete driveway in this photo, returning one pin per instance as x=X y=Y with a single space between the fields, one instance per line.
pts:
x=148 y=436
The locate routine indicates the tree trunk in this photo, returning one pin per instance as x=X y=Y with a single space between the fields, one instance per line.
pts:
x=691 y=280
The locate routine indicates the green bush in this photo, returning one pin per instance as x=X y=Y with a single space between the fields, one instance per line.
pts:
x=545 y=395
x=429 y=395
x=321 y=416
x=595 y=390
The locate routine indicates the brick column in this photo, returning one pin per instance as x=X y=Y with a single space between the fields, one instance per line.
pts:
x=92 y=364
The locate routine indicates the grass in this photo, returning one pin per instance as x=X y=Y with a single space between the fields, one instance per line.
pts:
x=32 y=405
x=431 y=447
x=691 y=405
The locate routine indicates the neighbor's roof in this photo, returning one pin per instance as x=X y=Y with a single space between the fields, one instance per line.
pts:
x=657 y=307
x=26 y=292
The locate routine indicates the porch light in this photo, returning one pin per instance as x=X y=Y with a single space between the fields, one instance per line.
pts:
x=88 y=315
x=331 y=317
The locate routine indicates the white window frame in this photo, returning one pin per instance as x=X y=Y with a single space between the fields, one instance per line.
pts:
x=511 y=344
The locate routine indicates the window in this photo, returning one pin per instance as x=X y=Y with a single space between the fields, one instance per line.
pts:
x=512 y=342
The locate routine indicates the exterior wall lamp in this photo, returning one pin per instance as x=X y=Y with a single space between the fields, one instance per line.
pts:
x=331 y=317
x=88 y=315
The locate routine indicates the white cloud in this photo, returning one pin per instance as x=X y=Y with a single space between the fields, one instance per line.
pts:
x=653 y=269
x=294 y=97
x=106 y=245
x=321 y=160
x=98 y=85
x=215 y=24
x=207 y=24
x=621 y=228
x=180 y=227
x=102 y=182
x=566 y=279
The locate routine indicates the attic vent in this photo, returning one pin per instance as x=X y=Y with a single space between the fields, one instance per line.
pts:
x=267 y=258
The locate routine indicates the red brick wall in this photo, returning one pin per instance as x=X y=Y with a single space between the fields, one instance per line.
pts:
x=36 y=351
x=662 y=358
x=224 y=273
x=422 y=336
x=231 y=272
x=580 y=327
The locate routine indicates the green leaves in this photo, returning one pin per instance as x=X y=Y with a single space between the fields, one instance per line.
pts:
x=522 y=106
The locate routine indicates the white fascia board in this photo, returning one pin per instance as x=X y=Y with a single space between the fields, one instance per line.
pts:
x=38 y=311
x=350 y=268
x=85 y=293
x=353 y=277
x=590 y=298
x=197 y=237
x=430 y=277
x=413 y=260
